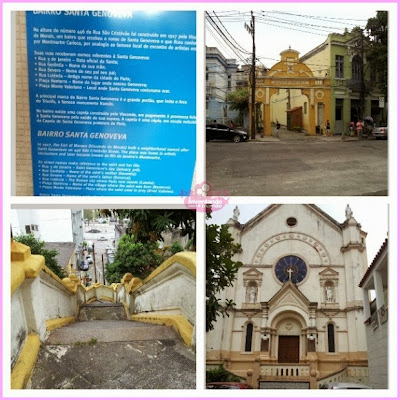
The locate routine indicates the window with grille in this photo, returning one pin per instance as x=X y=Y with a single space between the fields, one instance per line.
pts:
x=339 y=66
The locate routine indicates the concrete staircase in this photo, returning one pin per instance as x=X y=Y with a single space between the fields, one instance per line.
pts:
x=100 y=310
x=104 y=350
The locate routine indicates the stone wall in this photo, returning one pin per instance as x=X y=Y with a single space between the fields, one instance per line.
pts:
x=170 y=289
x=37 y=297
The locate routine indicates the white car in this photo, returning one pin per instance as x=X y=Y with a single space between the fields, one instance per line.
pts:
x=344 y=385
x=380 y=132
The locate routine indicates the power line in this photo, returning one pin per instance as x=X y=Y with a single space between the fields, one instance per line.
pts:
x=293 y=29
x=242 y=49
x=237 y=49
x=298 y=23
x=222 y=45
x=319 y=17
x=215 y=26
x=239 y=14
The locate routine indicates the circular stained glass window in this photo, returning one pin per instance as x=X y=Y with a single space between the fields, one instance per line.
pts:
x=291 y=268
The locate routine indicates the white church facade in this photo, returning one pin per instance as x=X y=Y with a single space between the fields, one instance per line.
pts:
x=298 y=317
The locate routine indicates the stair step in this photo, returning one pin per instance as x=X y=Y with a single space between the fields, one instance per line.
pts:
x=106 y=331
x=98 y=311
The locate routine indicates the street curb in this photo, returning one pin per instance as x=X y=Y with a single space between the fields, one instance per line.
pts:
x=308 y=139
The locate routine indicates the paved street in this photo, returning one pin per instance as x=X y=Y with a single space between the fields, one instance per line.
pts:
x=107 y=231
x=299 y=166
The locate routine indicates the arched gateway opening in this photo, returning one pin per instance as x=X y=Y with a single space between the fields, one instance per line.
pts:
x=288 y=85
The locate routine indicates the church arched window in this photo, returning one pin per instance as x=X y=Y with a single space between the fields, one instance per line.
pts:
x=331 y=338
x=249 y=337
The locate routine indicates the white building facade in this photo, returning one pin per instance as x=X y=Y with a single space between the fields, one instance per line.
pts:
x=220 y=80
x=375 y=285
x=49 y=225
x=298 y=315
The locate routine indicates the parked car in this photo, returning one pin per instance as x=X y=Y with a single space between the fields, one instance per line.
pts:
x=102 y=238
x=89 y=259
x=380 y=132
x=344 y=385
x=94 y=231
x=90 y=246
x=228 y=385
x=84 y=266
x=224 y=132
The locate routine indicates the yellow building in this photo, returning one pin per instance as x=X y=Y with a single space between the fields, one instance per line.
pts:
x=290 y=84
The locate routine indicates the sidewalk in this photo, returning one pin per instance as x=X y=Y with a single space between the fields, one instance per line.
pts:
x=292 y=136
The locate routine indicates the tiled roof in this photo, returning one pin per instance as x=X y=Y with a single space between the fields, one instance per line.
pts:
x=375 y=260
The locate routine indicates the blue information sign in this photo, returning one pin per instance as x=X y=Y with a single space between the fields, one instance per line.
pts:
x=112 y=102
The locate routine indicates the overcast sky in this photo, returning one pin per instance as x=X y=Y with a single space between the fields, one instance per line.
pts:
x=372 y=214
x=278 y=26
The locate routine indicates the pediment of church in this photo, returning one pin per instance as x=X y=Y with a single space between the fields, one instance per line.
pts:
x=252 y=274
x=275 y=208
x=329 y=273
x=289 y=296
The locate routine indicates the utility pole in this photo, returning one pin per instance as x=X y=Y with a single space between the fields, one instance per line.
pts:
x=252 y=30
x=102 y=263
x=362 y=84
x=94 y=264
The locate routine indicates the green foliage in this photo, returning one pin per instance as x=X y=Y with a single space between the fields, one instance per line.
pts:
x=221 y=375
x=239 y=99
x=37 y=247
x=147 y=225
x=175 y=248
x=220 y=271
x=138 y=258
x=189 y=245
x=377 y=52
x=88 y=214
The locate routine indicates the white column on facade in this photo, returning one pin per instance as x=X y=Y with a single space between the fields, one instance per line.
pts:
x=264 y=315
x=366 y=306
x=378 y=284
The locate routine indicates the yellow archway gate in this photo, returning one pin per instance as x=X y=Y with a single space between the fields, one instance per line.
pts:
x=290 y=74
